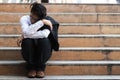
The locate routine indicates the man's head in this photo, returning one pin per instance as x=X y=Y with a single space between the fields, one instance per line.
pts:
x=38 y=12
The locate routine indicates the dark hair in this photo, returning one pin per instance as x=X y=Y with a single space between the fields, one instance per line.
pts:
x=39 y=10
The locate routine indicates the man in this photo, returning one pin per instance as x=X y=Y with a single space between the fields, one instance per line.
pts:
x=38 y=39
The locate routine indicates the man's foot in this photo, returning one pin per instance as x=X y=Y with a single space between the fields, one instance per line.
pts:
x=32 y=74
x=40 y=74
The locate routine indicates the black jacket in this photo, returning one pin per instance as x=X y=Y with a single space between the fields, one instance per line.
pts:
x=53 y=36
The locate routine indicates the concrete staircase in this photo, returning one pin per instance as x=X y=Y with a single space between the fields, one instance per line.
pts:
x=88 y=36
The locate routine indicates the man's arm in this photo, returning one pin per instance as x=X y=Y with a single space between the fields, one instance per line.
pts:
x=40 y=34
x=29 y=29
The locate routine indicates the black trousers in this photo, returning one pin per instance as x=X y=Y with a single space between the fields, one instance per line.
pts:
x=36 y=53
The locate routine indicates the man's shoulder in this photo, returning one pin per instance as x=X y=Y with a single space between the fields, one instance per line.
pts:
x=25 y=17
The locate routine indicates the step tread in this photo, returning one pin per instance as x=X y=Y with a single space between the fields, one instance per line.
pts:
x=69 y=35
x=65 y=62
x=68 y=77
x=70 y=48
x=60 y=13
x=69 y=24
x=89 y=35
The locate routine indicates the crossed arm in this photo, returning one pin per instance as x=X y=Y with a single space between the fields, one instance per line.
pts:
x=30 y=31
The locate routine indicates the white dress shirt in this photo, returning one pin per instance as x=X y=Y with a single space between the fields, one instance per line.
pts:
x=30 y=30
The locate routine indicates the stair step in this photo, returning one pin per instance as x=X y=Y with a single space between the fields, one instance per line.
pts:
x=77 y=40
x=68 y=28
x=85 y=41
x=69 y=35
x=67 y=54
x=18 y=68
x=71 y=48
x=57 y=17
x=66 y=24
x=68 y=77
x=64 y=67
x=87 y=24
x=76 y=63
x=69 y=17
x=60 y=13
x=88 y=29
x=111 y=8
x=89 y=35
x=50 y=8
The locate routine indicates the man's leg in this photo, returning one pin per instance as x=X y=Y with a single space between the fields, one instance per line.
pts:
x=28 y=53
x=43 y=53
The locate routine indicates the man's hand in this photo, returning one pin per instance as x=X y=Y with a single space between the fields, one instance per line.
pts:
x=47 y=22
x=19 y=41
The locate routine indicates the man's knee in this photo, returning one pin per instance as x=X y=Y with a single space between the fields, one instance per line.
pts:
x=44 y=42
x=27 y=41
